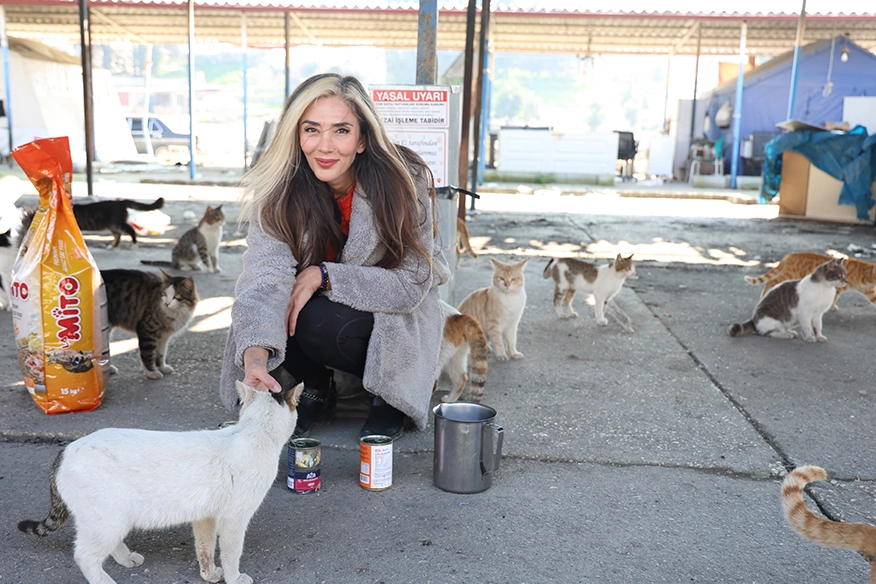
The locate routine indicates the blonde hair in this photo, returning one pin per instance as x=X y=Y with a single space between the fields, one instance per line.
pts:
x=283 y=194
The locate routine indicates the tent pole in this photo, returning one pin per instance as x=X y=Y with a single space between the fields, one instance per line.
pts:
x=4 y=44
x=192 y=89
x=795 y=65
x=693 y=105
x=737 y=108
x=427 y=43
x=85 y=36
x=467 y=75
x=479 y=104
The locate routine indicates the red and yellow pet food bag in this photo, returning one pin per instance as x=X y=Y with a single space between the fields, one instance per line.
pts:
x=58 y=302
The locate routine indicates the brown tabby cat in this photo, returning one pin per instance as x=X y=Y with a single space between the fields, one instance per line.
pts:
x=155 y=308
x=860 y=274
x=463 y=340
x=498 y=308
x=462 y=242
x=853 y=536
x=112 y=216
x=198 y=248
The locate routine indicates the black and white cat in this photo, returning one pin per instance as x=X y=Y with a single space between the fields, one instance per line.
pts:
x=119 y=479
x=15 y=223
x=112 y=216
x=153 y=307
x=796 y=302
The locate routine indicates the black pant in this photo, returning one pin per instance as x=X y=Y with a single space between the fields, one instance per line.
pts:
x=327 y=334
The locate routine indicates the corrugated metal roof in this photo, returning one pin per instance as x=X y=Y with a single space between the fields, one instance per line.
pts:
x=559 y=26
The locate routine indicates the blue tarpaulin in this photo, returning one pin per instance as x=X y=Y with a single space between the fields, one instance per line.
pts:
x=846 y=156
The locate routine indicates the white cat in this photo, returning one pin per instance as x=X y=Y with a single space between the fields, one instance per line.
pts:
x=116 y=479
x=572 y=275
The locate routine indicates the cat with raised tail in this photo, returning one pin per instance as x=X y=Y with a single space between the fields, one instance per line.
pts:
x=463 y=343
x=858 y=537
x=572 y=275
x=198 y=248
x=861 y=275
x=463 y=245
x=153 y=307
x=116 y=480
x=112 y=216
x=498 y=308
x=796 y=302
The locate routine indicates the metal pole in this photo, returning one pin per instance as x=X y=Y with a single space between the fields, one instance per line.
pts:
x=287 y=21
x=485 y=27
x=427 y=43
x=85 y=37
x=737 y=107
x=245 y=87
x=4 y=44
x=192 y=167
x=666 y=94
x=693 y=105
x=795 y=64
x=485 y=118
x=466 y=103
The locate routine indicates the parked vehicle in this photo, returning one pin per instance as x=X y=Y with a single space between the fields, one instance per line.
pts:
x=168 y=145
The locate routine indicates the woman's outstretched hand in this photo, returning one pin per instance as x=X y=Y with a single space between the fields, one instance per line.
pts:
x=255 y=369
x=306 y=284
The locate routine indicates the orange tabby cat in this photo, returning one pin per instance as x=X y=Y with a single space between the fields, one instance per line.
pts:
x=498 y=308
x=853 y=536
x=462 y=242
x=796 y=265
x=464 y=341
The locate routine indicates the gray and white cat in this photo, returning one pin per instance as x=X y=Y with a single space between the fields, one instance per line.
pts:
x=116 y=480
x=153 y=307
x=463 y=341
x=198 y=248
x=572 y=275
x=796 y=302
x=498 y=307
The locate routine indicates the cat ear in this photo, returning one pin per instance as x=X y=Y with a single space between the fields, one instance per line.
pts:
x=245 y=393
x=164 y=274
x=294 y=394
x=629 y=257
x=523 y=263
x=219 y=207
x=496 y=263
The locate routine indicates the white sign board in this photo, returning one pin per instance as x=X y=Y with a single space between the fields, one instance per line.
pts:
x=419 y=118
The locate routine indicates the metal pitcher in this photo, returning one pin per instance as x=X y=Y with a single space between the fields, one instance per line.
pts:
x=468 y=447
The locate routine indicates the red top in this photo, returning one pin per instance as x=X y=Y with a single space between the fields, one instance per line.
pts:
x=345 y=204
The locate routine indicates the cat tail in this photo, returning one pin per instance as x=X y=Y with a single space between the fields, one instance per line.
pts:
x=158 y=204
x=740 y=329
x=764 y=278
x=548 y=269
x=479 y=354
x=58 y=512
x=853 y=536
x=162 y=263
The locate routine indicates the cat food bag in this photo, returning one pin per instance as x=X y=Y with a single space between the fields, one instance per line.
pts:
x=58 y=303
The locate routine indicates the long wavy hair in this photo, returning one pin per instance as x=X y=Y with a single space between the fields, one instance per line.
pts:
x=283 y=194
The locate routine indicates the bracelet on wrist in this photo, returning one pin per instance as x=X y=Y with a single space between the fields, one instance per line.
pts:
x=324 y=282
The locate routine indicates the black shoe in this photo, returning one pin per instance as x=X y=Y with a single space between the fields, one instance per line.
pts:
x=383 y=420
x=314 y=405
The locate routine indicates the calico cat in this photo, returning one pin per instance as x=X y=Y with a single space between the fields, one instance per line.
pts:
x=154 y=307
x=463 y=245
x=793 y=302
x=853 y=536
x=498 y=308
x=572 y=275
x=116 y=480
x=861 y=275
x=463 y=341
x=111 y=215
x=198 y=248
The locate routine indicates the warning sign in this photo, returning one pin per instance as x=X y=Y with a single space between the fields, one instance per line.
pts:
x=413 y=107
x=430 y=144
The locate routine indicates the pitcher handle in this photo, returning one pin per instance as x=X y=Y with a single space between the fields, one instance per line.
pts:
x=491 y=456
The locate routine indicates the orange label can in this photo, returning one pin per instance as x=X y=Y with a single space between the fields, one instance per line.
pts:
x=375 y=463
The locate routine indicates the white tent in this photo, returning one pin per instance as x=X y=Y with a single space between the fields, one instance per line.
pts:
x=47 y=101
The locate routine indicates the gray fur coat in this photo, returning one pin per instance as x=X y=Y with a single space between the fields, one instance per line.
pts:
x=408 y=322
